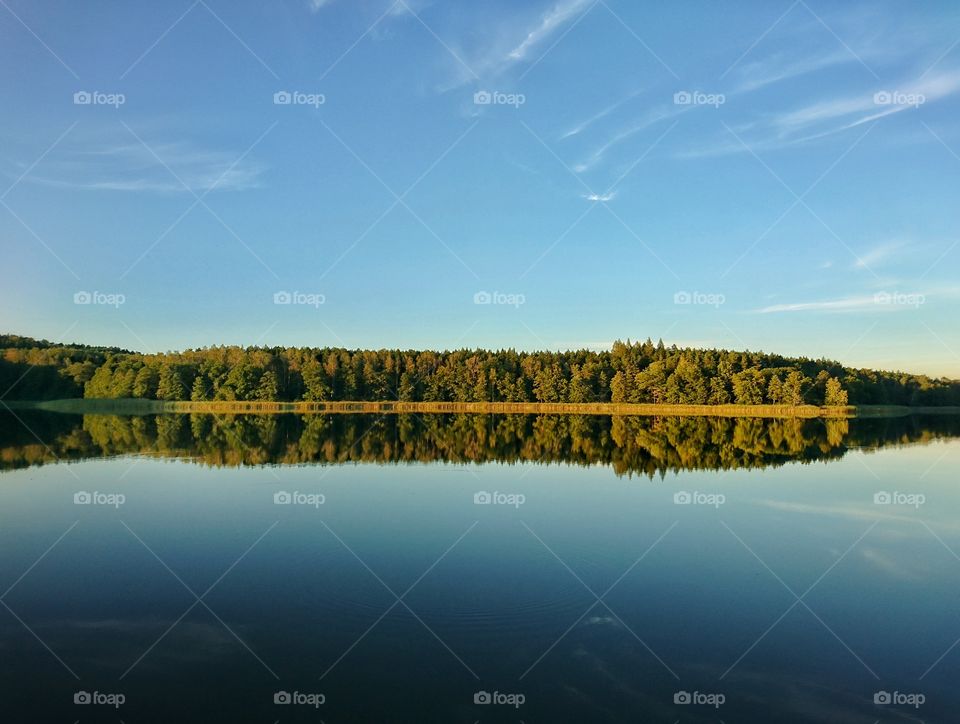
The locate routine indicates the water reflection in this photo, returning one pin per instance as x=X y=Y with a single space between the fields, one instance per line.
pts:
x=630 y=445
x=598 y=601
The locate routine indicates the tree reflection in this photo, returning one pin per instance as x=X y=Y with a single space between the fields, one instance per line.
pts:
x=646 y=446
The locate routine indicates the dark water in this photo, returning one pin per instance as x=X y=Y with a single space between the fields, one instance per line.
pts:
x=588 y=589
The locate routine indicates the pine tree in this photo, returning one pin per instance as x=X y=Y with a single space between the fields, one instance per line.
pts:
x=201 y=389
x=145 y=383
x=747 y=388
x=170 y=385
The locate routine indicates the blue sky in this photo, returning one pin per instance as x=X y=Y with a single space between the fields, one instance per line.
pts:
x=764 y=175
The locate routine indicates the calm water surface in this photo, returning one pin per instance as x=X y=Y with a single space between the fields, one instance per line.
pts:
x=410 y=569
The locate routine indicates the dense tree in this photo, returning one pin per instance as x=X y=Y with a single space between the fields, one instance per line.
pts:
x=146 y=382
x=201 y=389
x=775 y=390
x=835 y=395
x=719 y=392
x=641 y=372
x=794 y=388
x=268 y=388
x=171 y=385
x=748 y=387
x=315 y=382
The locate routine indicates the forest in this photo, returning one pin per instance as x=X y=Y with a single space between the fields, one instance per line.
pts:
x=640 y=372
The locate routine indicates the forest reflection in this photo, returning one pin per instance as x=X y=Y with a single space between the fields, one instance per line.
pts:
x=646 y=446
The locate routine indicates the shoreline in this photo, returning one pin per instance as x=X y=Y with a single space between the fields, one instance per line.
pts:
x=148 y=407
x=136 y=406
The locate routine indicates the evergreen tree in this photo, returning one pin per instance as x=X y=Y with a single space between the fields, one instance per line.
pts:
x=170 y=385
x=747 y=387
x=145 y=384
x=201 y=389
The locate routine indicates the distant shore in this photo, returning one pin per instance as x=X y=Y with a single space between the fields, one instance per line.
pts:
x=147 y=407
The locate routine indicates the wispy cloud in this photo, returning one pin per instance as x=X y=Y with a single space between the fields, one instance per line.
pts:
x=584 y=125
x=834 y=115
x=873 y=303
x=646 y=121
x=132 y=167
x=507 y=48
x=892 y=300
x=878 y=254
x=780 y=67
x=600 y=197
x=550 y=22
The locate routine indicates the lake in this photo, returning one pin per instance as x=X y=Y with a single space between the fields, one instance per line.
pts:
x=478 y=568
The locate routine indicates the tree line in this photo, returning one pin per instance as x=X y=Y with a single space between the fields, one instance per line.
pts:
x=641 y=372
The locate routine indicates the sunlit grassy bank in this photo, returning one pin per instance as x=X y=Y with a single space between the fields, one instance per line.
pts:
x=140 y=406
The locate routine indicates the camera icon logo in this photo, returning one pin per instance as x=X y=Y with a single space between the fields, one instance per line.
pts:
x=682 y=697
x=282 y=498
x=882 y=697
x=82 y=498
x=282 y=98
x=882 y=498
x=282 y=697
x=682 y=98
x=82 y=298
x=883 y=98
x=482 y=498
x=82 y=697
x=482 y=298
x=682 y=498
x=482 y=697
x=82 y=98
x=482 y=98
x=282 y=298
x=682 y=298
